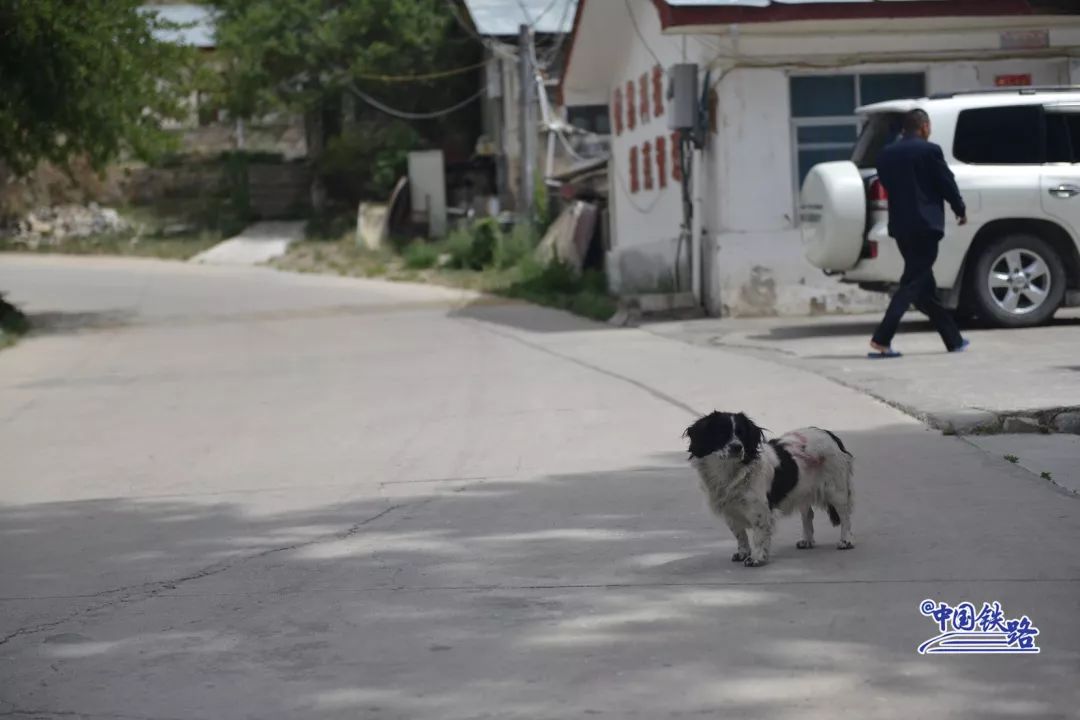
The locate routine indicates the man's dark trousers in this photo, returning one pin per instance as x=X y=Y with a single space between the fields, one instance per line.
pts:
x=917 y=287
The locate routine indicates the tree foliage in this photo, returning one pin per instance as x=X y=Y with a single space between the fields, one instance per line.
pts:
x=305 y=55
x=85 y=78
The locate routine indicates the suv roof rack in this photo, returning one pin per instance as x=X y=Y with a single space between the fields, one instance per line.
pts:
x=1025 y=90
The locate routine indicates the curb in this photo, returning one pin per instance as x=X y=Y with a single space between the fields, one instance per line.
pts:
x=1064 y=420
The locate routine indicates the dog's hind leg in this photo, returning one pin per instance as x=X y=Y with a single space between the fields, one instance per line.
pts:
x=847 y=538
x=807 y=541
x=840 y=507
x=841 y=515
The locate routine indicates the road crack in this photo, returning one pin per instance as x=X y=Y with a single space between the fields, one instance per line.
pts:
x=129 y=594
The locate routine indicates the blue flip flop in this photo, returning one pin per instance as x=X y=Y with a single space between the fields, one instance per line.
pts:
x=963 y=346
x=884 y=355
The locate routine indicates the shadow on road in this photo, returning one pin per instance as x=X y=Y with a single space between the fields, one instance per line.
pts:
x=866 y=328
x=526 y=317
x=565 y=596
x=64 y=323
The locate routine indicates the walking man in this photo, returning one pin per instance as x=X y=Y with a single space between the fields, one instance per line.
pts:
x=918 y=182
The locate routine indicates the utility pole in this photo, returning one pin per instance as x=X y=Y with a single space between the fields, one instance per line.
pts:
x=527 y=117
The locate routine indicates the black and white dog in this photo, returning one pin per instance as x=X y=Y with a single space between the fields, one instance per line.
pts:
x=746 y=478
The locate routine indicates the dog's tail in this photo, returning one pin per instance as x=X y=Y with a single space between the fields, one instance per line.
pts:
x=838 y=441
x=834 y=516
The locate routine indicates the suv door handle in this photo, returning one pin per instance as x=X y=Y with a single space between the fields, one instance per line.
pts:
x=1065 y=191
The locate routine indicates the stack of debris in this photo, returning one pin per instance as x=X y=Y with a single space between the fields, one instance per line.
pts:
x=57 y=223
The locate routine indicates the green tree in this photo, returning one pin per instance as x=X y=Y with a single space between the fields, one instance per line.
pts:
x=85 y=78
x=308 y=56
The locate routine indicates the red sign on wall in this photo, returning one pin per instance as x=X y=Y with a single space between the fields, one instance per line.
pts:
x=676 y=167
x=1019 y=80
x=643 y=94
x=631 y=113
x=646 y=164
x=661 y=161
x=634 y=183
x=616 y=110
x=658 y=91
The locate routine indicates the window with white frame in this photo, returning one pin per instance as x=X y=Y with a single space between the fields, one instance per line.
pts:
x=823 y=122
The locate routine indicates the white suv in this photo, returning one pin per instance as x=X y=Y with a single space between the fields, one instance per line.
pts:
x=1015 y=155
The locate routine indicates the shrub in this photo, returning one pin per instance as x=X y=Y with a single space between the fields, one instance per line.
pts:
x=420 y=255
x=485 y=238
x=459 y=247
x=365 y=161
x=474 y=248
x=512 y=248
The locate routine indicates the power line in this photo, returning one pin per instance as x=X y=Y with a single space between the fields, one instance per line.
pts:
x=546 y=10
x=554 y=50
x=641 y=36
x=422 y=76
x=643 y=210
x=525 y=11
x=406 y=115
x=464 y=25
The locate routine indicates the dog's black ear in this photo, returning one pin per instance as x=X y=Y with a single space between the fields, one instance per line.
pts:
x=750 y=435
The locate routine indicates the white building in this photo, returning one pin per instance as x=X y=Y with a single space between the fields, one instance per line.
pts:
x=785 y=77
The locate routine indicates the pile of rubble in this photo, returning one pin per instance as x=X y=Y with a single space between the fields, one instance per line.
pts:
x=54 y=224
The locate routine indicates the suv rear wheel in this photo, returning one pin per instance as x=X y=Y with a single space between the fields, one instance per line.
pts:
x=1018 y=280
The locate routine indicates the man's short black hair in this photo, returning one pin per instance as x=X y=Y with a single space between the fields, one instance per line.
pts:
x=914 y=120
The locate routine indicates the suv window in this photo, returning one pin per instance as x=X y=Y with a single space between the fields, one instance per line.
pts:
x=880 y=130
x=1001 y=136
x=1062 y=137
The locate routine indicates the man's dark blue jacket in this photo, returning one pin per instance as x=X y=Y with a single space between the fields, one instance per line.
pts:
x=918 y=181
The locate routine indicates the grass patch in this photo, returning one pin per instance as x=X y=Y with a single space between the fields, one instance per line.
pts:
x=482 y=258
x=420 y=255
x=153 y=235
x=181 y=247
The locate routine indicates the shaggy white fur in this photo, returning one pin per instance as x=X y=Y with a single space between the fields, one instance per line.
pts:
x=746 y=479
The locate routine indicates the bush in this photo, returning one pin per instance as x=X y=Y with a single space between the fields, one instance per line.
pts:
x=459 y=247
x=330 y=225
x=486 y=236
x=12 y=320
x=474 y=248
x=365 y=161
x=420 y=255
x=512 y=249
x=542 y=210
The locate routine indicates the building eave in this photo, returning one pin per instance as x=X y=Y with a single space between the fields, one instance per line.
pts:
x=684 y=17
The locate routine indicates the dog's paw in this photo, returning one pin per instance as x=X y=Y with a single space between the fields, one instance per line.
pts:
x=751 y=562
x=740 y=556
x=845 y=545
x=804 y=544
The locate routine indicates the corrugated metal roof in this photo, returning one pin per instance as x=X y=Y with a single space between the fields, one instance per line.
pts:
x=504 y=17
x=198 y=19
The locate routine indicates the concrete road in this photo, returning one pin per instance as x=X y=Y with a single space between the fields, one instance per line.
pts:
x=991 y=382
x=233 y=493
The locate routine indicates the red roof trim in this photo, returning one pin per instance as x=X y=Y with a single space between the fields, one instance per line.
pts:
x=682 y=15
x=672 y=16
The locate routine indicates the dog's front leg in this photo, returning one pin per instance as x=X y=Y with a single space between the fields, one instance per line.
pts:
x=807 y=541
x=761 y=525
x=743 y=552
x=738 y=529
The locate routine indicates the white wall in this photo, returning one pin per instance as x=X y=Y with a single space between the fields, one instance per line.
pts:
x=646 y=224
x=753 y=255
